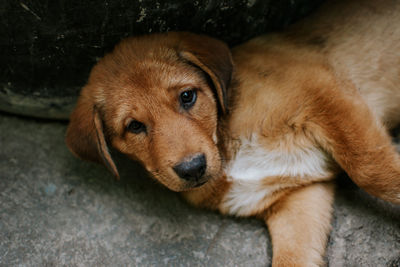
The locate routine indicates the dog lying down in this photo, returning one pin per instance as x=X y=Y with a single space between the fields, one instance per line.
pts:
x=261 y=130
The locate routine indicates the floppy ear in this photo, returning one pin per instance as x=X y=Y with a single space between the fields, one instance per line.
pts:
x=213 y=57
x=85 y=135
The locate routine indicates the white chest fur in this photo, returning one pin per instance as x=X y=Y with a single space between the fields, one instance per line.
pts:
x=253 y=165
x=252 y=162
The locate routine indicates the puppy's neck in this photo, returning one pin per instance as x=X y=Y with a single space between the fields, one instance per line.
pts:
x=227 y=144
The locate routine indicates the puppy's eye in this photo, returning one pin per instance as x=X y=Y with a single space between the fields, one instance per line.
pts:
x=136 y=127
x=188 y=98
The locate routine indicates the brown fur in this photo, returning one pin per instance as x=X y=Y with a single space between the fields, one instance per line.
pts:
x=328 y=87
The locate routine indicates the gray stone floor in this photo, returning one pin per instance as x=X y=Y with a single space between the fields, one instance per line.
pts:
x=56 y=210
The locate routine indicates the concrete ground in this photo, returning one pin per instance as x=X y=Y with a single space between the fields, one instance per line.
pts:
x=56 y=210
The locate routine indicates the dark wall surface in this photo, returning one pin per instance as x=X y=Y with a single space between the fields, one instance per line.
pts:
x=48 y=47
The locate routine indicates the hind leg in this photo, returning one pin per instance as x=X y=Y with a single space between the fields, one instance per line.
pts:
x=357 y=140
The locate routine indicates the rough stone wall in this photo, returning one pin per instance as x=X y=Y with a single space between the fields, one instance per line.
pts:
x=49 y=47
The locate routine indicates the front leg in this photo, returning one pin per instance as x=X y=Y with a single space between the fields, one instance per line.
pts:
x=299 y=225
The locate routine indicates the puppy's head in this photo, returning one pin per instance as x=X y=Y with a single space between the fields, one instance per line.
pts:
x=157 y=99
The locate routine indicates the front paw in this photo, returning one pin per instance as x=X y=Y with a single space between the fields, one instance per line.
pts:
x=297 y=259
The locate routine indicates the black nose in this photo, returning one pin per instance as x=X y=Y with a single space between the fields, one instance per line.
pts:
x=192 y=169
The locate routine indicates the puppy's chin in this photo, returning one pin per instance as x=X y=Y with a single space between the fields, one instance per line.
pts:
x=194 y=185
x=176 y=184
x=183 y=186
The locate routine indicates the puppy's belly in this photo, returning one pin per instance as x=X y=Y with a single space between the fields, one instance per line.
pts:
x=259 y=175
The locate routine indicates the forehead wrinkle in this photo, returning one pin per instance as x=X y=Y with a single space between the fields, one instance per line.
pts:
x=184 y=78
x=156 y=102
x=122 y=105
x=181 y=77
x=123 y=111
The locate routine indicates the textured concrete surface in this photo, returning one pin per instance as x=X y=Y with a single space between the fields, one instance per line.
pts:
x=56 y=210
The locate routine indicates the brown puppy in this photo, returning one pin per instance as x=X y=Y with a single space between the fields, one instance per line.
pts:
x=267 y=138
